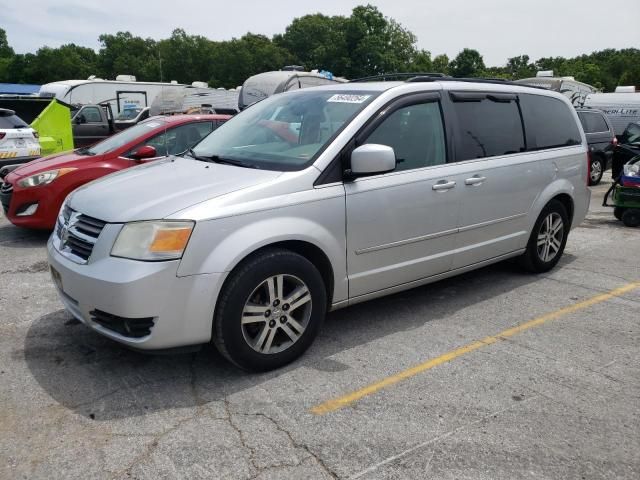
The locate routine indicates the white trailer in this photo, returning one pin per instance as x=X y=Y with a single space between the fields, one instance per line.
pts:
x=123 y=93
x=620 y=108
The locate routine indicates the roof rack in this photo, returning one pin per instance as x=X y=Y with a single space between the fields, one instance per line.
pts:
x=439 y=77
x=498 y=81
x=388 y=77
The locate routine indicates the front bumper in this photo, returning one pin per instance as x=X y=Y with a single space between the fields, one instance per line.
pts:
x=47 y=198
x=181 y=307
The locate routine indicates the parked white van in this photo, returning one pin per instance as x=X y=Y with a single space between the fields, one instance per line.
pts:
x=620 y=108
x=316 y=199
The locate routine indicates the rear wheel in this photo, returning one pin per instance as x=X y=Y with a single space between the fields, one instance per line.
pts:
x=270 y=310
x=548 y=239
x=631 y=217
x=597 y=169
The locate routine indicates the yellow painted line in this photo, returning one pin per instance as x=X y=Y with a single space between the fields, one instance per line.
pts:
x=346 y=400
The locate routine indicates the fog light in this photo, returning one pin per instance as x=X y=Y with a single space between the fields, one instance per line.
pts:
x=27 y=210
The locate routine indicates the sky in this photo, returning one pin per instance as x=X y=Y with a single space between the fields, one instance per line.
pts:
x=498 y=29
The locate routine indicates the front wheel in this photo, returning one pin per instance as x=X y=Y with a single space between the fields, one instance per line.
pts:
x=548 y=239
x=597 y=169
x=270 y=310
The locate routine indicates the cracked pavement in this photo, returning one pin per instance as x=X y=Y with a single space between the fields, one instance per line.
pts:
x=557 y=401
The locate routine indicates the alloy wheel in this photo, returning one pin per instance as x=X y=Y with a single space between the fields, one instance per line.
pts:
x=550 y=237
x=596 y=171
x=276 y=314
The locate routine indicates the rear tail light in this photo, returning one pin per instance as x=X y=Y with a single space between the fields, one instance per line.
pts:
x=588 y=166
x=614 y=142
x=2 y=135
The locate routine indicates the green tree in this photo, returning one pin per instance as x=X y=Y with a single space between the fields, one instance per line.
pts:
x=124 y=53
x=377 y=44
x=441 y=64
x=5 y=50
x=422 y=62
x=236 y=60
x=519 y=67
x=316 y=42
x=468 y=63
x=53 y=64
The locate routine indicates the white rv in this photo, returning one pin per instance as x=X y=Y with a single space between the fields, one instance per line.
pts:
x=575 y=91
x=122 y=93
x=620 y=108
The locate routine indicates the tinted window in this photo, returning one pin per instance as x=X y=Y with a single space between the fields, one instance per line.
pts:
x=182 y=138
x=416 y=135
x=12 y=121
x=593 y=122
x=487 y=128
x=92 y=115
x=548 y=122
x=120 y=139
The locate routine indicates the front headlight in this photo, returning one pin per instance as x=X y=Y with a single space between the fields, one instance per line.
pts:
x=44 y=178
x=153 y=240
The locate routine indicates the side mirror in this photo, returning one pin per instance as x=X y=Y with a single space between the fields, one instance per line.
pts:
x=372 y=158
x=80 y=119
x=146 y=151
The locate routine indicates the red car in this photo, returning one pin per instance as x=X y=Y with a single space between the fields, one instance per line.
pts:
x=32 y=194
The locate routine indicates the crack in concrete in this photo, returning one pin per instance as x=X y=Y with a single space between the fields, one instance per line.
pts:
x=290 y=438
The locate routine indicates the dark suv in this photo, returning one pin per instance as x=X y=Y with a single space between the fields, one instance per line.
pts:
x=601 y=139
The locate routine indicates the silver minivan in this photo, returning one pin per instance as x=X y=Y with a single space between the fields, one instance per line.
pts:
x=316 y=199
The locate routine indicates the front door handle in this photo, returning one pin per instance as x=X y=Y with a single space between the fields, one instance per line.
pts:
x=443 y=185
x=475 y=180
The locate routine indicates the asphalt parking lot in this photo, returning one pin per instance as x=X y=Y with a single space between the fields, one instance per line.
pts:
x=431 y=383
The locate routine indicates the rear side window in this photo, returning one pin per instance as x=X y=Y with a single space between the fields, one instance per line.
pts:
x=593 y=122
x=488 y=125
x=12 y=121
x=548 y=122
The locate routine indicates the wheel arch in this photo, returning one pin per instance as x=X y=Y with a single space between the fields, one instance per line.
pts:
x=561 y=190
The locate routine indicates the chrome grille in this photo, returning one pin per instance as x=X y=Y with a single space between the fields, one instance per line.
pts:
x=77 y=234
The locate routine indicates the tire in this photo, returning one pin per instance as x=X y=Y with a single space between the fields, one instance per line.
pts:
x=631 y=217
x=596 y=171
x=254 y=326
x=536 y=259
x=618 y=212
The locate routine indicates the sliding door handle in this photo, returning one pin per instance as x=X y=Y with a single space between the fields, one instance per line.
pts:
x=443 y=185
x=475 y=180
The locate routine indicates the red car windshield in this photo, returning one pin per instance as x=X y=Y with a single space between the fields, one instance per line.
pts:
x=123 y=138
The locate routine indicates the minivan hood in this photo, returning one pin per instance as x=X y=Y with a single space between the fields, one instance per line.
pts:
x=157 y=189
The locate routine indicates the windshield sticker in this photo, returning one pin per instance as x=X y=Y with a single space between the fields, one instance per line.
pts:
x=344 y=98
x=153 y=124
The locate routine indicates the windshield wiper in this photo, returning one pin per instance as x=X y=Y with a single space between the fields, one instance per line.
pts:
x=193 y=155
x=219 y=159
x=84 y=151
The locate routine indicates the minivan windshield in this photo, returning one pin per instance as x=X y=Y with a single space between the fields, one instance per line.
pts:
x=284 y=132
x=120 y=139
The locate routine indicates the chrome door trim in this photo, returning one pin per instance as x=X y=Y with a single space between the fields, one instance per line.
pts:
x=491 y=222
x=407 y=241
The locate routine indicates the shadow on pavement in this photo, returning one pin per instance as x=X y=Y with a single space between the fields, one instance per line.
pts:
x=96 y=377
x=17 y=237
